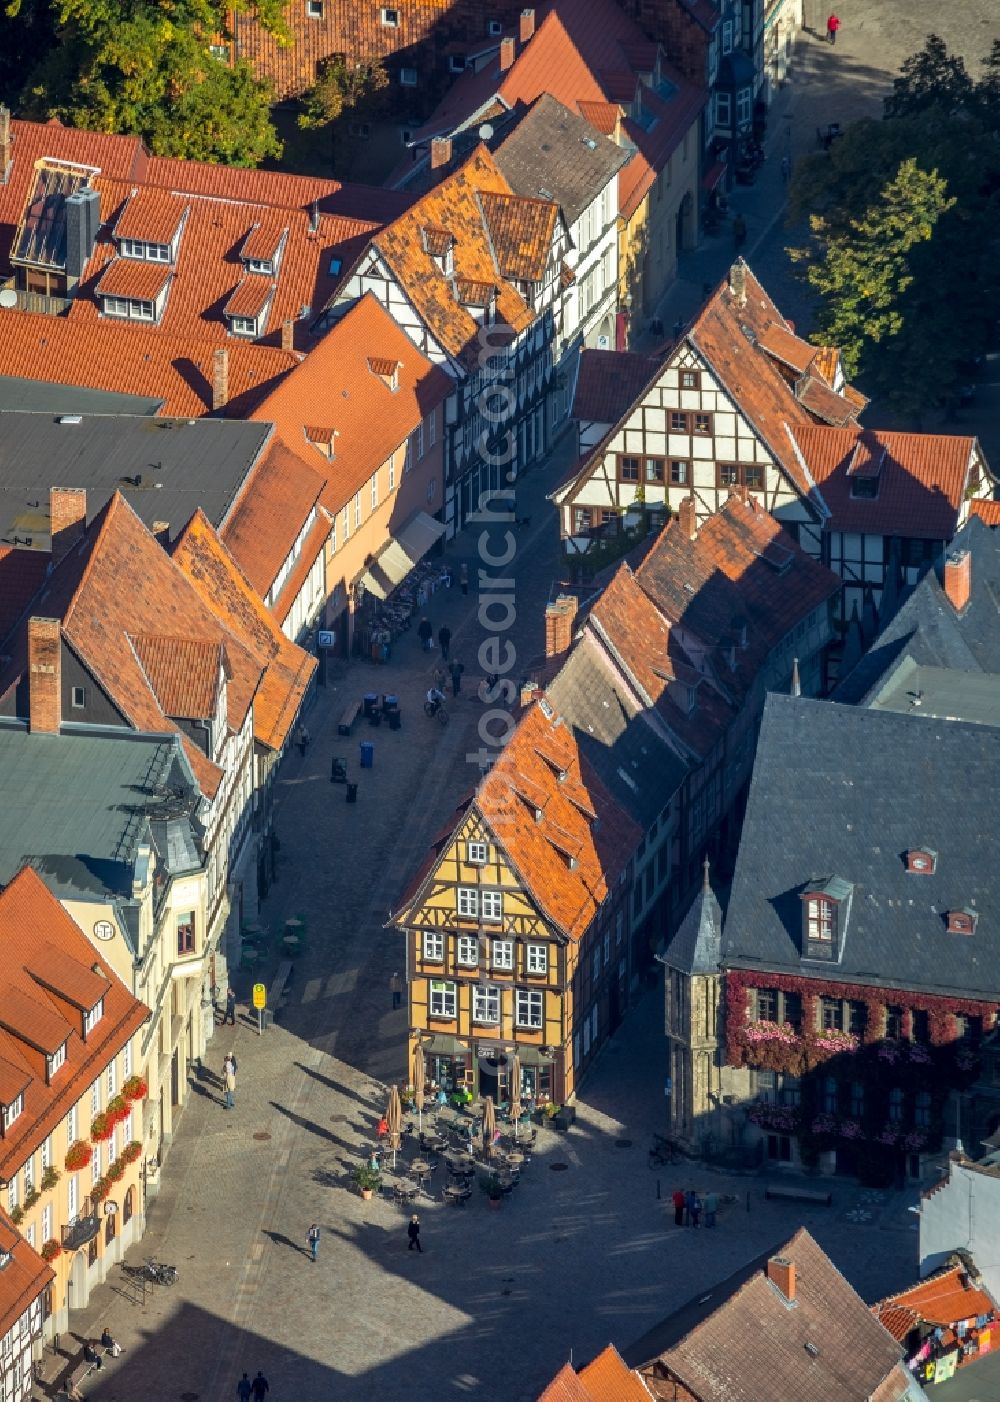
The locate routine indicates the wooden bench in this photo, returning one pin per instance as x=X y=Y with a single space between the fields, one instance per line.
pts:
x=791 y=1192
x=82 y=1370
x=348 y=717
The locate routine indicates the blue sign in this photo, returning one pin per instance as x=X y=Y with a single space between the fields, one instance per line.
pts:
x=325 y=638
x=668 y=1086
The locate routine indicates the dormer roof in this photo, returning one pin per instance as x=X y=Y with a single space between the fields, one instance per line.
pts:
x=150 y=216
x=129 y=277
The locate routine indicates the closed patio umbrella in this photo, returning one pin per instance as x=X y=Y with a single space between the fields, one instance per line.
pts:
x=394 y=1119
x=516 y=1108
x=489 y=1124
x=419 y=1076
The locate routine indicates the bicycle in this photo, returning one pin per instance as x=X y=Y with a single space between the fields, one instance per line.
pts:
x=161 y=1274
x=438 y=710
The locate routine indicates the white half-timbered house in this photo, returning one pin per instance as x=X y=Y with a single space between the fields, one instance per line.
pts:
x=473 y=274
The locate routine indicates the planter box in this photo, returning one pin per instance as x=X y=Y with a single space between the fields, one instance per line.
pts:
x=565 y=1117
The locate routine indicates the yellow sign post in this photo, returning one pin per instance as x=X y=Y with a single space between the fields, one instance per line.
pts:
x=260 y=1002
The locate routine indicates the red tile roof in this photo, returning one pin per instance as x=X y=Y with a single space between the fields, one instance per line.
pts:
x=184 y=674
x=609 y=382
x=607 y=1379
x=566 y=1386
x=921 y=484
x=24 y=1277
x=263 y=525
x=150 y=216
x=250 y=296
x=30 y=915
x=128 y=277
x=521 y=231
x=988 y=511
x=944 y=1299
x=371 y=420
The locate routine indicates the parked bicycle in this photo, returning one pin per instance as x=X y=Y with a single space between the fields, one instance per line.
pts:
x=160 y=1273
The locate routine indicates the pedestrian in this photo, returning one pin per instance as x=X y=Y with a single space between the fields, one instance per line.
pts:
x=695 y=1210
x=463 y=577
x=456 y=669
x=688 y=1205
x=739 y=231
x=413 y=1232
x=444 y=638
x=302 y=740
x=396 y=989
x=312 y=1237
x=786 y=168
x=230 y=1008
x=711 y=1208
x=425 y=633
x=229 y=1082
x=832 y=25
x=244 y=1388
x=678 y=1201
x=91 y=1356
x=260 y=1386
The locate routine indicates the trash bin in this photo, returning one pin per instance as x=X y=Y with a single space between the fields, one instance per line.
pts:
x=367 y=754
x=395 y=720
x=352 y=793
x=390 y=704
x=371 y=703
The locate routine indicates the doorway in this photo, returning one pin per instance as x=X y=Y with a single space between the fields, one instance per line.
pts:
x=488 y=1082
x=175 y=1078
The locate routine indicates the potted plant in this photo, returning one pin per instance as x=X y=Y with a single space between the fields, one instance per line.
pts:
x=102 y=1127
x=116 y=1172
x=51 y=1249
x=32 y=1198
x=135 y=1088
x=118 y=1109
x=367 y=1179
x=50 y=1178
x=17 y=1215
x=78 y=1156
x=489 y=1184
x=100 y=1190
x=132 y=1151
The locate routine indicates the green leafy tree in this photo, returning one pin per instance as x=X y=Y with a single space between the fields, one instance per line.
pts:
x=341 y=86
x=931 y=78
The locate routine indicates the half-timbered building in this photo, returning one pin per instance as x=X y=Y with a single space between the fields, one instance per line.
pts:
x=517 y=926
x=474 y=275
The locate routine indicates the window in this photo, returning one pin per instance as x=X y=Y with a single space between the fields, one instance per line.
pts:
x=894 y=1023
x=922 y=1110
x=596 y=967
x=537 y=957
x=468 y=901
x=679 y=471
x=703 y=423
x=418 y=434
x=390 y=18
x=485 y=1004
x=468 y=951
x=491 y=905
x=753 y=478
x=690 y=379
x=495 y=27
x=679 y=422
x=112 y=1079
x=503 y=954
x=47 y=1222
x=857 y=1100
x=73 y=1195
x=127 y=1208
x=895 y=1105
x=357 y=510
x=791 y=1090
x=314 y=9
x=456 y=63
x=13 y=1194
x=53 y=1062
x=148 y=252
x=220 y=51
x=762 y=1084
x=444 y=1001
x=92 y=1018
x=375 y=491
x=133 y=310
x=408 y=77
x=727 y=37
x=347 y=524
x=921 y=1025
x=185 y=933
x=654 y=469
x=628 y=469
x=857 y=1017
x=432 y=428
x=723 y=109
x=528 y=1008
x=260 y=265
x=392 y=474
x=78 y=697
x=95 y=1098
x=831 y=1014
x=71 y=1125
x=744 y=107
x=46 y=1152
x=433 y=947
x=819 y=917
x=477 y=853
x=767 y=1005
x=243 y=325
x=830 y=1095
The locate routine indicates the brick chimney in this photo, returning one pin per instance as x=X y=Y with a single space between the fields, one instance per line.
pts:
x=220 y=378
x=44 y=675
x=6 y=144
x=958 y=578
x=559 y=619
x=68 y=518
x=687 y=518
x=781 y=1274
x=288 y=335
x=526 y=26
x=507 y=53
x=440 y=151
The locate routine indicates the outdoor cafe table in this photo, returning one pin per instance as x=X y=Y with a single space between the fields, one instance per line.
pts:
x=292 y=943
x=461 y=1164
x=514 y=1160
x=421 y=1170
x=457 y=1195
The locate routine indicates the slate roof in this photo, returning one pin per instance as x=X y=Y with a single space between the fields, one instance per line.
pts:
x=39 y=396
x=24 y=1277
x=35 y=928
x=696 y=948
x=842 y=791
x=939 y=692
x=173 y=465
x=554 y=154
x=21 y=575
x=740 y=1341
x=927 y=629
x=609 y=382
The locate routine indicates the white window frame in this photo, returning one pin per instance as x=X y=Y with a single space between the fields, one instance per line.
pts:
x=47 y=1223
x=727 y=37
x=432 y=429
x=432 y=947
x=15 y=1108
x=357 y=511
x=29 y=1175
x=529 y=1008
x=55 y=1061
x=486 y=1004
x=502 y=955
x=443 y=998
x=389 y=16
x=127 y=1060
x=72 y=1125
x=744 y=106
x=374 y=486
x=95 y=1098
x=467 y=902
x=419 y=431
x=392 y=473
x=537 y=958
x=491 y=906
x=13 y=1193
x=468 y=951
x=723 y=103
x=314 y=9
x=477 y=854
x=112 y=1078
x=46 y=1152
x=261 y=265
x=243 y=325
x=73 y=1196
x=144 y=252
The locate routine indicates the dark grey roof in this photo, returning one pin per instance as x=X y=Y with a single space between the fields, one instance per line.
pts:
x=697 y=946
x=552 y=154
x=77 y=805
x=928 y=629
x=847 y=791
x=44 y=397
x=166 y=468
x=639 y=768
x=939 y=692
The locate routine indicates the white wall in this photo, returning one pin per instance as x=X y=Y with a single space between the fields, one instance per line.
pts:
x=963 y=1212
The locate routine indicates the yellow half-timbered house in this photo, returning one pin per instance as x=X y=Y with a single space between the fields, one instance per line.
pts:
x=516 y=926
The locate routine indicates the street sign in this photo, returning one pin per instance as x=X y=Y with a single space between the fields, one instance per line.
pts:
x=325 y=638
x=259 y=995
x=668 y=1086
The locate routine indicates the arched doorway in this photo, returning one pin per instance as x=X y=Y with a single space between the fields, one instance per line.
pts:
x=78 y=1294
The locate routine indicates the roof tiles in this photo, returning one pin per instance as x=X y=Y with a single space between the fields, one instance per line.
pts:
x=945 y=1298
x=128 y=277
x=609 y=382
x=24 y=1277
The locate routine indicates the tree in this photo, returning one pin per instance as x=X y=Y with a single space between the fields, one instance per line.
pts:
x=931 y=78
x=341 y=86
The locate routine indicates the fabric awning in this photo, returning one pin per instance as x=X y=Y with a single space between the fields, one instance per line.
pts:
x=395 y=560
x=713 y=175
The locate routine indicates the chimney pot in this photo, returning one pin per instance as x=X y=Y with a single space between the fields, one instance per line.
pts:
x=67 y=519
x=507 y=52
x=220 y=378
x=44 y=675
x=781 y=1274
x=526 y=26
x=559 y=619
x=440 y=151
x=288 y=335
x=688 y=518
x=958 y=578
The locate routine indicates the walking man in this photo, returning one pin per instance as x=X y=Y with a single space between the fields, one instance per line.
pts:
x=302 y=740
x=229 y=1083
x=413 y=1232
x=832 y=25
x=425 y=633
x=711 y=1208
x=396 y=989
x=444 y=638
x=244 y=1388
x=456 y=669
x=463 y=577
x=230 y=1008
x=312 y=1237
x=678 y=1202
x=260 y=1386
x=688 y=1206
x=695 y=1210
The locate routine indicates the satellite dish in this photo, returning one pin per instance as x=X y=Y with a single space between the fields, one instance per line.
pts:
x=485 y=131
x=8 y=298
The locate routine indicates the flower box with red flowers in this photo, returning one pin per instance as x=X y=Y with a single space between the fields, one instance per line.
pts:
x=51 y=1249
x=102 y=1127
x=78 y=1156
x=118 y=1109
x=135 y=1088
x=132 y=1151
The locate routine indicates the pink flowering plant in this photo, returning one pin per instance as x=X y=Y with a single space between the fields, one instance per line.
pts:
x=782 y=1119
x=784 y=1032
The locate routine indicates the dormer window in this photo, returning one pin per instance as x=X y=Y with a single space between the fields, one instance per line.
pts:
x=147 y=252
x=9 y=1113
x=54 y=1062
x=825 y=908
x=248 y=307
x=922 y=861
x=260 y=265
x=93 y=1017
x=440 y=244
x=962 y=922
x=386 y=370
x=262 y=250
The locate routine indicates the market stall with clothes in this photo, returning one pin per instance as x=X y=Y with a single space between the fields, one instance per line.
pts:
x=944 y=1323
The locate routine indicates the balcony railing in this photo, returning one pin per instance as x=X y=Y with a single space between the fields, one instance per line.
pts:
x=36 y=301
x=82 y=1229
